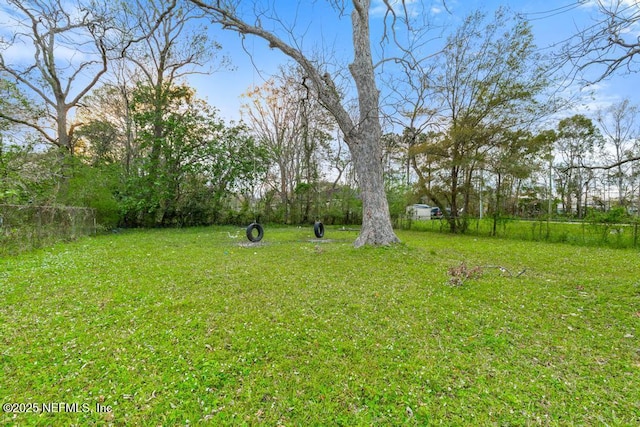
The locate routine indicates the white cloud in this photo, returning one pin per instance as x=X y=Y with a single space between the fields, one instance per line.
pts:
x=379 y=8
x=22 y=51
x=18 y=52
x=17 y=45
x=608 y=4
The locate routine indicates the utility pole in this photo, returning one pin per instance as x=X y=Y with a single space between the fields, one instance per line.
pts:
x=480 y=191
x=549 y=195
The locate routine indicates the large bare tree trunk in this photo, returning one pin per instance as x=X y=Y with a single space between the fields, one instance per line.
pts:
x=376 y=223
x=366 y=146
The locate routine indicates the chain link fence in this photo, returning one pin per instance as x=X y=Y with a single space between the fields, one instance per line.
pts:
x=26 y=227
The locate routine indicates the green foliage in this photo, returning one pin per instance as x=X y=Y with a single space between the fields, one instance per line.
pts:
x=94 y=187
x=24 y=228
x=398 y=196
x=195 y=327
x=615 y=215
x=192 y=163
x=489 y=78
x=15 y=106
x=102 y=136
x=343 y=207
x=29 y=176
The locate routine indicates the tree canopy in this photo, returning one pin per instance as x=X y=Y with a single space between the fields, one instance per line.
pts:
x=102 y=111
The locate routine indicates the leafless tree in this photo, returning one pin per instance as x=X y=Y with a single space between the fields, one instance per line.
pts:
x=578 y=140
x=413 y=109
x=611 y=43
x=165 y=41
x=620 y=128
x=288 y=121
x=619 y=125
x=362 y=133
x=69 y=48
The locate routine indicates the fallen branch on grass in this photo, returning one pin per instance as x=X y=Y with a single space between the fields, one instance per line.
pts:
x=462 y=273
x=505 y=270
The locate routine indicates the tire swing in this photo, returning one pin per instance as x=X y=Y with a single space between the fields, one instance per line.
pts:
x=250 y=232
x=318 y=229
x=254 y=226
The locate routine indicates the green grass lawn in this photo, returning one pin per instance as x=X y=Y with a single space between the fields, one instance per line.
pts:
x=580 y=233
x=179 y=327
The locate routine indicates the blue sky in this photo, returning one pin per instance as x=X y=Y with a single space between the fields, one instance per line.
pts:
x=319 y=28
x=322 y=30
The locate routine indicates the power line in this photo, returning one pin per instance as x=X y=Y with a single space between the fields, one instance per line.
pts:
x=537 y=16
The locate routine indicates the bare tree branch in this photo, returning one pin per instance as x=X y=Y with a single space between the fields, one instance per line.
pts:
x=604 y=167
x=610 y=43
x=41 y=130
x=323 y=82
x=47 y=26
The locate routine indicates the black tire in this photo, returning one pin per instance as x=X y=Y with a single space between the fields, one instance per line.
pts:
x=250 y=235
x=318 y=229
